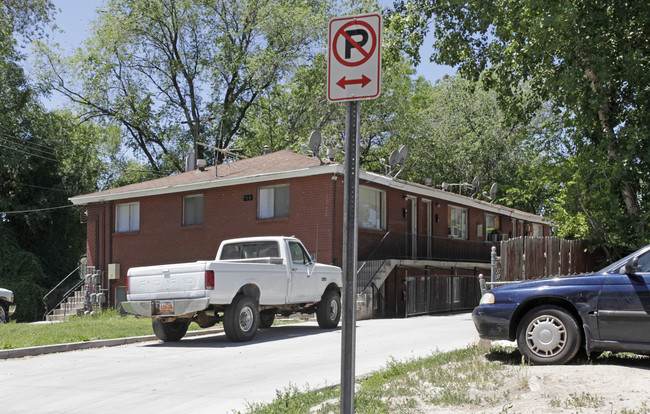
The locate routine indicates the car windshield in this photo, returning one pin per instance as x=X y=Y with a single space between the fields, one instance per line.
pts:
x=644 y=261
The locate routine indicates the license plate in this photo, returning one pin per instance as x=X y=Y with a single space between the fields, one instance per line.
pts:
x=164 y=307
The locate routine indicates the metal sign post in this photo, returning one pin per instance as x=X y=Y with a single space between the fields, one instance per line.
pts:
x=350 y=242
x=353 y=74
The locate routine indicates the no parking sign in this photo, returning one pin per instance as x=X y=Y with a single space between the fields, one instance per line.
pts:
x=354 y=58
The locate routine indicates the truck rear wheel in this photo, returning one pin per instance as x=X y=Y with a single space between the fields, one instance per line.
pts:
x=170 y=331
x=241 y=319
x=266 y=318
x=328 y=313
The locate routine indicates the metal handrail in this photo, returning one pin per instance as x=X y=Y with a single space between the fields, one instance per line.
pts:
x=370 y=258
x=65 y=296
x=428 y=248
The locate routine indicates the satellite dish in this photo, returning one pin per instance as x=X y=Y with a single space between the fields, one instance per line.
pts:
x=392 y=160
x=475 y=184
x=403 y=154
x=445 y=186
x=493 y=192
x=314 y=141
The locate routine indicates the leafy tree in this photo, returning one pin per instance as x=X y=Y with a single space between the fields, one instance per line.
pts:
x=587 y=61
x=467 y=136
x=285 y=117
x=171 y=72
x=45 y=159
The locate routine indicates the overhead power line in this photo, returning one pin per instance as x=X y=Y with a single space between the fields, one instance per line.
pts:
x=35 y=210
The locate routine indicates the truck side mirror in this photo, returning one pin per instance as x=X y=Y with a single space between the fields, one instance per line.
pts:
x=630 y=267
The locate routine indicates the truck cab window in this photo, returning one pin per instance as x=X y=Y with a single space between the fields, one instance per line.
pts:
x=298 y=254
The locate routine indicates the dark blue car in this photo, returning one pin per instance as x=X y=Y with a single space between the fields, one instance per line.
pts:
x=552 y=318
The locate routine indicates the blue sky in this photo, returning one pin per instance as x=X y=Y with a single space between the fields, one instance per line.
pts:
x=74 y=17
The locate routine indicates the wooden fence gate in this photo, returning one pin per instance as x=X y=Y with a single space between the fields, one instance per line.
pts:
x=524 y=258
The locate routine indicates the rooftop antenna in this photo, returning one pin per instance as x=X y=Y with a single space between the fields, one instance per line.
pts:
x=475 y=184
x=493 y=193
x=402 y=155
x=392 y=161
x=315 y=140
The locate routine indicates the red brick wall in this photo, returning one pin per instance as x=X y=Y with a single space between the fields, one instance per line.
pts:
x=161 y=237
x=316 y=217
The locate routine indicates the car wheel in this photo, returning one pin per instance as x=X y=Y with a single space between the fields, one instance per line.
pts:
x=170 y=331
x=548 y=335
x=328 y=313
x=3 y=314
x=266 y=318
x=241 y=319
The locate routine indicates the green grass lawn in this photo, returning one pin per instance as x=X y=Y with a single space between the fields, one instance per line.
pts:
x=105 y=325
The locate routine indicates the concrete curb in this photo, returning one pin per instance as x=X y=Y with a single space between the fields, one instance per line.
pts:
x=76 y=346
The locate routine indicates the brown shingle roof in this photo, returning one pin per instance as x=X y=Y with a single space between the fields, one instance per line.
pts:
x=264 y=164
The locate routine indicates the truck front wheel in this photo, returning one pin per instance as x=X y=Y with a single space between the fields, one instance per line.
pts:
x=170 y=331
x=328 y=313
x=241 y=319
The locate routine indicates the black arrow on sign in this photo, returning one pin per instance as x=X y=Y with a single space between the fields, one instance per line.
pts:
x=363 y=81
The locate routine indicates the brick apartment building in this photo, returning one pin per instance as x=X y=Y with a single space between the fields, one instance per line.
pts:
x=404 y=228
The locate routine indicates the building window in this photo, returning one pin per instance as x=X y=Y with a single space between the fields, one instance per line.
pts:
x=193 y=210
x=127 y=217
x=492 y=228
x=372 y=208
x=457 y=222
x=538 y=230
x=273 y=202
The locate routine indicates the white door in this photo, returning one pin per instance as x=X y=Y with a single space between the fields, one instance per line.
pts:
x=304 y=287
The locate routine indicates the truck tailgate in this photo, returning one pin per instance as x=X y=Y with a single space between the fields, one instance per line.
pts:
x=184 y=280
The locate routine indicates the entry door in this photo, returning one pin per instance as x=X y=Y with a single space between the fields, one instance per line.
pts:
x=303 y=285
x=624 y=305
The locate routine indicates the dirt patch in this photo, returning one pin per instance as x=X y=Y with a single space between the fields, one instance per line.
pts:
x=605 y=384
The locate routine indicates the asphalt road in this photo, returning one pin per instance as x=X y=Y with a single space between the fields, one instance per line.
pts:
x=210 y=374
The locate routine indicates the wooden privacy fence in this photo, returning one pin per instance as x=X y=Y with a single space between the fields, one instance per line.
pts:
x=525 y=258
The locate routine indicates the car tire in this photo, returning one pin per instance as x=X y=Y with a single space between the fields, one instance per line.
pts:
x=266 y=318
x=241 y=319
x=3 y=314
x=328 y=312
x=548 y=335
x=170 y=331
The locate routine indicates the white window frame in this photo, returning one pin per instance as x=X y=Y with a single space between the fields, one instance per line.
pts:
x=458 y=222
x=269 y=205
x=372 y=208
x=195 y=219
x=489 y=228
x=129 y=212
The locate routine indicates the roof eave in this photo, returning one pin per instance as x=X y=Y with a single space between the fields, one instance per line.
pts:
x=223 y=182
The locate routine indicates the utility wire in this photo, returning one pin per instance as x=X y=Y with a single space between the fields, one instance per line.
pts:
x=22 y=141
x=28 y=153
x=34 y=210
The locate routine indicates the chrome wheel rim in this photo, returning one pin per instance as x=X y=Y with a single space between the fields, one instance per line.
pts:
x=546 y=336
x=246 y=319
x=334 y=309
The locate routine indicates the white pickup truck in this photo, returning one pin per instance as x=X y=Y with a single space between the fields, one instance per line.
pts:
x=250 y=281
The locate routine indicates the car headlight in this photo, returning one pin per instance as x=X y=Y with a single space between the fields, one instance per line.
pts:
x=487 y=299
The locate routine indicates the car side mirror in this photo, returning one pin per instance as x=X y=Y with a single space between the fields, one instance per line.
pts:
x=630 y=267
